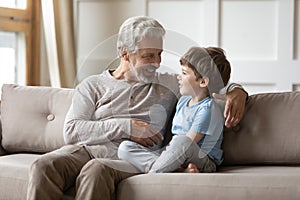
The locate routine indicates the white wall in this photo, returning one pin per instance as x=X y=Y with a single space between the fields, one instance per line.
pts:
x=261 y=37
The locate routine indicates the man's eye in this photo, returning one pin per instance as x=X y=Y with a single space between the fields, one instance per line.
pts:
x=146 y=55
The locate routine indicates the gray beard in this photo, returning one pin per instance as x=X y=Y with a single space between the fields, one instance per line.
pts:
x=138 y=75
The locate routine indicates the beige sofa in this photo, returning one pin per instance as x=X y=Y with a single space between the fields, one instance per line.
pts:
x=261 y=155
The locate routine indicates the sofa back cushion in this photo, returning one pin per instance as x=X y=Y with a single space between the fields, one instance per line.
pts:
x=33 y=117
x=269 y=132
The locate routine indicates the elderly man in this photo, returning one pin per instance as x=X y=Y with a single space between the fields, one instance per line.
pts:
x=132 y=102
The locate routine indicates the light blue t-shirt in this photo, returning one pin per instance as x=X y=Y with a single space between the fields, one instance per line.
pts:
x=205 y=117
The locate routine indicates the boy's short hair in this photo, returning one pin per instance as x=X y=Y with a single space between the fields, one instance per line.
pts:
x=223 y=65
x=204 y=61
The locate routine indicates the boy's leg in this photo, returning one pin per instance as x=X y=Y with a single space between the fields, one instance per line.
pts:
x=203 y=163
x=139 y=156
x=55 y=172
x=179 y=153
x=99 y=177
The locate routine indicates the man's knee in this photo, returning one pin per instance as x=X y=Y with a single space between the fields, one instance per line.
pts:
x=94 y=170
x=41 y=165
x=37 y=166
x=94 y=181
x=97 y=169
x=43 y=170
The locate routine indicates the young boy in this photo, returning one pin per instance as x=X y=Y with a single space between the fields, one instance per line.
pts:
x=198 y=122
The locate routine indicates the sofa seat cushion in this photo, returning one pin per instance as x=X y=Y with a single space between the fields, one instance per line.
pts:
x=230 y=183
x=261 y=169
x=14 y=175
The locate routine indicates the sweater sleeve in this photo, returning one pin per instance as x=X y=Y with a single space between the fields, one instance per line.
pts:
x=81 y=128
x=232 y=86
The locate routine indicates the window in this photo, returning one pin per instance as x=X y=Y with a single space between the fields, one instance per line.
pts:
x=20 y=42
x=20 y=4
x=10 y=57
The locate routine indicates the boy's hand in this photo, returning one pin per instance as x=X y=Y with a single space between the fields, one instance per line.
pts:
x=144 y=134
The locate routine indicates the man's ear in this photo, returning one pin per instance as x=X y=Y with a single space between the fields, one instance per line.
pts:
x=204 y=81
x=125 y=54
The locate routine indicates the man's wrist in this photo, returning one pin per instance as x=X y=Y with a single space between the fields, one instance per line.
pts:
x=234 y=86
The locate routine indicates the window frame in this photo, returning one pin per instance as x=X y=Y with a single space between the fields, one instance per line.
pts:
x=27 y=21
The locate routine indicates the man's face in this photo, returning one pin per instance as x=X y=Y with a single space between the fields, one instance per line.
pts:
x=145 y=61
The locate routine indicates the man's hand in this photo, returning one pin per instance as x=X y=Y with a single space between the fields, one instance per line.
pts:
x=144 y=134
x=234 y=107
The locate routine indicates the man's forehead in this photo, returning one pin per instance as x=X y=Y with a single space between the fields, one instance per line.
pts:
x=149 y=50
x=150 y=43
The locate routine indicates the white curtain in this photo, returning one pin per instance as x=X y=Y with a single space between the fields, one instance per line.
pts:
x=60 y=42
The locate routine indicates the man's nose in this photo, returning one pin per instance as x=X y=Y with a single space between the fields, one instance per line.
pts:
x=157 y=65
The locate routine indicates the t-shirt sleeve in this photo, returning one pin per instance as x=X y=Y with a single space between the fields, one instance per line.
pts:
x=201 y=120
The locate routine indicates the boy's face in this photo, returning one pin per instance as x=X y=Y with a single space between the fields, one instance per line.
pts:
x=188 y=85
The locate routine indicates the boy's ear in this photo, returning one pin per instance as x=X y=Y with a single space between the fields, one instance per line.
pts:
x=204 y=81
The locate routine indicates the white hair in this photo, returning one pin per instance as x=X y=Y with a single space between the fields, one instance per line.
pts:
x=134 y=29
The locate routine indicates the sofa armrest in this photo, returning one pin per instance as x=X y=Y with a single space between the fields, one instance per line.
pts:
x=2 y=152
